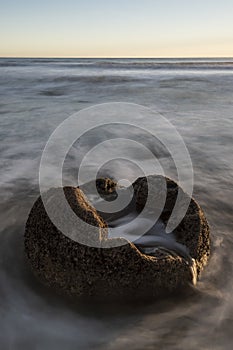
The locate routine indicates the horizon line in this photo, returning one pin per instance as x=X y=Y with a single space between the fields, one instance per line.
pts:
x=118 y=57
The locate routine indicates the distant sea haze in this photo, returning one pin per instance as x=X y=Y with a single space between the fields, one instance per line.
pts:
x=36 y=95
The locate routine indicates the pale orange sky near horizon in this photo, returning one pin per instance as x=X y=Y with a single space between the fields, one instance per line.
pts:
x=73 y=28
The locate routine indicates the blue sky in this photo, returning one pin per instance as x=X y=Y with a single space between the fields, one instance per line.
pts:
x=101 y=28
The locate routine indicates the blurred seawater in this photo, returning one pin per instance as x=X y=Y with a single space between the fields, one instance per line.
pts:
x=36 y=95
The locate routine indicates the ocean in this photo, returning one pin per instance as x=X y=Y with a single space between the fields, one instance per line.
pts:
x=36 y=95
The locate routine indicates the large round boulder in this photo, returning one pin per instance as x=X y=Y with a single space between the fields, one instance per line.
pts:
x=112 y=267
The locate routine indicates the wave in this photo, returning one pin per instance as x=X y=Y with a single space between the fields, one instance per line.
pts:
x=129 y=64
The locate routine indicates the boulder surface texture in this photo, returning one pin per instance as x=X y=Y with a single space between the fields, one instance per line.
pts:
x=114 y=267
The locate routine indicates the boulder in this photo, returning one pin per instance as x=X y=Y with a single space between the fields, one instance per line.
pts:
x=113 y=267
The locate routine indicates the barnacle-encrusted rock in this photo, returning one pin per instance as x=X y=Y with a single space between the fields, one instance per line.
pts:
x=193 y=230
x=113 y=267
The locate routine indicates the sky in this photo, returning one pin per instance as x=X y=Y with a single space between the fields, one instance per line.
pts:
x=116 y=28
